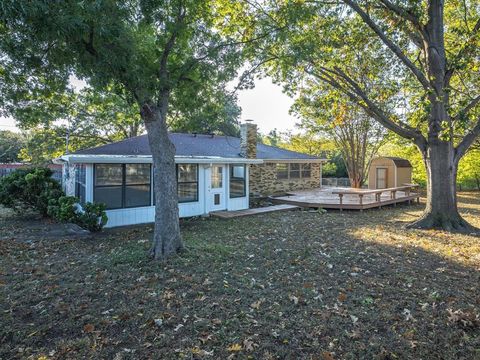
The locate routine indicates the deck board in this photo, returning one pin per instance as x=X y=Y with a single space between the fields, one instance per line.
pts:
x=253 y=211
x=324 y=198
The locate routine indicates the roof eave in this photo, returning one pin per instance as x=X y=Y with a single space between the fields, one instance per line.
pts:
x=296 y=160
x=90 y=159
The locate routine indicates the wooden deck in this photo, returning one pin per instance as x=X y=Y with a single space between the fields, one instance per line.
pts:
x=253 y=211
x=329 y=198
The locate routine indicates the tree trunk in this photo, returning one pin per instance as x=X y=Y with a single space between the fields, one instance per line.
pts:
x=166 y=238
x=441 y=210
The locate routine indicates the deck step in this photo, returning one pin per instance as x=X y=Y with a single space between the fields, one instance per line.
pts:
x=254 y=211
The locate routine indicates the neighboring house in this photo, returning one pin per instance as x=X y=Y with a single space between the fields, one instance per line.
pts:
x=214 y=173
x=7 y=168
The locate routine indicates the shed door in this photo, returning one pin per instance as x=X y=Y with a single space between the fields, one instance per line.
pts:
x=381 y=178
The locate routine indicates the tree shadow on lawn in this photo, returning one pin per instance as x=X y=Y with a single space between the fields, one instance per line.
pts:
x=296 y=285
x=469 y=203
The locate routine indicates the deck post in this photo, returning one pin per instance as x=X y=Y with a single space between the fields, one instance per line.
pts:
x=341 y=201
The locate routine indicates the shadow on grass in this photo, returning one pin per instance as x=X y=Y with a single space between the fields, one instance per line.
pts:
x=284 y=285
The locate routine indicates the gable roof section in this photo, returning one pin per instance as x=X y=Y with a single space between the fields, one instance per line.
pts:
x=195 y=145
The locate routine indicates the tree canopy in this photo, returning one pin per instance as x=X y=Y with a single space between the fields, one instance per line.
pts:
x=160 y=53
x=10 y=145
x=410 y=65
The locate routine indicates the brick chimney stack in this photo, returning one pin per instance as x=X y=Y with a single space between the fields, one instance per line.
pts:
x=248 y=140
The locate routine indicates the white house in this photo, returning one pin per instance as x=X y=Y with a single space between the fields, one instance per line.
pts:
x=213 y=173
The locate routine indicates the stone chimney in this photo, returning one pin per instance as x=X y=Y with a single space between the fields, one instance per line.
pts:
x=248 y=140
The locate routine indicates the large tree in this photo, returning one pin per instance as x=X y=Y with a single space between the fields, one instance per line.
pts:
x=153 y=50
x=422 y=58
x=355 y=133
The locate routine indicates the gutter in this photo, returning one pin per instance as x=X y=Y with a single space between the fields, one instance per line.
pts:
x=90 y=159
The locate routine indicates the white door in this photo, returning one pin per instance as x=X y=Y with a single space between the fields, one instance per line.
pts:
x=381 y=178
x=216 y=188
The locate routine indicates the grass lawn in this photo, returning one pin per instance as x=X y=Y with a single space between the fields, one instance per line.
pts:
x=290 y=285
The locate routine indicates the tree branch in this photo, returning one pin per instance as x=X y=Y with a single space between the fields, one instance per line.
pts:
x=467 y=141
x=404 y=13
x=359 y=97
x=467 y=108
x=390 y=44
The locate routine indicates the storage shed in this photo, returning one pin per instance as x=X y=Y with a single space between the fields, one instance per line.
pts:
x=388 y=172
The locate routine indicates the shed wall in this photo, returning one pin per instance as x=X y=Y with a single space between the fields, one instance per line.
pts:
x=381 y=163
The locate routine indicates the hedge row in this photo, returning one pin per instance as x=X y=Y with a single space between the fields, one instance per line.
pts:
x=34 y=188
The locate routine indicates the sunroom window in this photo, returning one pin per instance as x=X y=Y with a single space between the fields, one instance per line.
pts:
x=122 y=185
x=187 y=182
x=80 y=182
x=237 y=181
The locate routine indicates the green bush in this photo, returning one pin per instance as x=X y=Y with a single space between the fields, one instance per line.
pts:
x=93 y=217
x=35 y=189
x=29 y=188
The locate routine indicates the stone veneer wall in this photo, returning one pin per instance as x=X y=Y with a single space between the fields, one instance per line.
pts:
x=264 y=182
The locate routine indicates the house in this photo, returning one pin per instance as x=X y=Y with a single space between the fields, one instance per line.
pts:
x=388 y=172
x=214 y=173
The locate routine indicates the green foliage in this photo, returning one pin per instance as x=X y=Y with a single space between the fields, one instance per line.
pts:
x=469 y=171
x=329 y=170
x=10 y=145
x=63 y=208
x=34 y=189
x=29 y=188
x=93 y=217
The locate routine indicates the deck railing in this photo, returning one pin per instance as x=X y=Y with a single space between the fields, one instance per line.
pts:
x=406 y=188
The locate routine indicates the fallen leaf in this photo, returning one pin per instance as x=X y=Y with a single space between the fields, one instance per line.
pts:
x=249 y=345
x=326 y=355
x=256 y=304
x=234 y=348
x=293 y=298
x=88 y=328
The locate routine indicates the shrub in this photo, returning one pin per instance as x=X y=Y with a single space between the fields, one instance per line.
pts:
x=29 y=188
x=35 y=189
x=93 y=217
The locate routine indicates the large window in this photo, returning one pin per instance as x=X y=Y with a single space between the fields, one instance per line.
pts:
x=122 y=185
x=80 y=179
x=293 y=171
x=237 y=181
x=187 y=182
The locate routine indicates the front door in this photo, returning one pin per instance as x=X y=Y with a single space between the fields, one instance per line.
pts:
x=381 y=178
x=217 y=188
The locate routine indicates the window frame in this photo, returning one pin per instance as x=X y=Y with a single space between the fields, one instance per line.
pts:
x=298 y=171
x=197 y=197
x=309 y=170
x=244 y=180
x=123 y=185
x=81 y=183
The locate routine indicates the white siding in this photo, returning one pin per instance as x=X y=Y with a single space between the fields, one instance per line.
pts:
x=146 y=214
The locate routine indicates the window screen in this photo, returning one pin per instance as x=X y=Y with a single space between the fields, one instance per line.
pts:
x=237 y=181
x=187 y=182
x=122 y=185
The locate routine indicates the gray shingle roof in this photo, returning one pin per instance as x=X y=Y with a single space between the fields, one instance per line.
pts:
x=196 y=145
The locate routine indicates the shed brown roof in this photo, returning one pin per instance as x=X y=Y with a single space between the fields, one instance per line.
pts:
x=399 y=162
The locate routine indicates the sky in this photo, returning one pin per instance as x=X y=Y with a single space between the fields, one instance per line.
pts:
x=265 y=104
